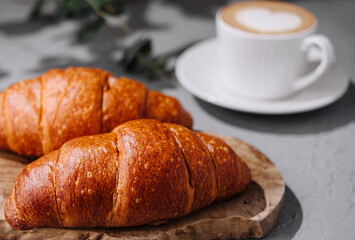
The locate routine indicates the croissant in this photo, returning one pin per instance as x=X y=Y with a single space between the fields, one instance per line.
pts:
x=37 y=116
x=144 y=171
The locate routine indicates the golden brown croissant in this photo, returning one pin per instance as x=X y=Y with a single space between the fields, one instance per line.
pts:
x=144 y=171
x=39 y=115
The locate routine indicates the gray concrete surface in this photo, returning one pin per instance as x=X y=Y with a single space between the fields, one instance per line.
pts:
x=314 y=151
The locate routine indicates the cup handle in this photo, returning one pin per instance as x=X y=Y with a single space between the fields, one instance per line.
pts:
x=328 y=57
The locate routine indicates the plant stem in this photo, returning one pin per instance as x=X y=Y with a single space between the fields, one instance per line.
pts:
x=148 y=62
x=109 y=18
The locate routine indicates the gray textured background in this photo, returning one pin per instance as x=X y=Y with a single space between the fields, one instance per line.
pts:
x=314 y=151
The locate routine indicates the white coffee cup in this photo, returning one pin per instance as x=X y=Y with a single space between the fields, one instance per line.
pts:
x=268 y=64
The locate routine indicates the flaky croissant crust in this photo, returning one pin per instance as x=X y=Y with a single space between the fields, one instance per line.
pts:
x=143 y=171
x=39 y=115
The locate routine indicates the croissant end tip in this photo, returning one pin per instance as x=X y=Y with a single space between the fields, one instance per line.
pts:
x=12 y=216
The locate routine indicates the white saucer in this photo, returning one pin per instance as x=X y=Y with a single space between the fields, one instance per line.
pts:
x=197 y=71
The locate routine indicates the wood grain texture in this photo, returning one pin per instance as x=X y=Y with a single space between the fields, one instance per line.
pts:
x=250 y=214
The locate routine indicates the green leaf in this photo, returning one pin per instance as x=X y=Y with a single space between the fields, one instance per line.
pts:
x=75 y=7
x=161 y=62
x=62 y=8
x=72 y=8
x=36 y=11
x=130 y=61
x=89 y=30
x=134 y=53
x=143 y=47
x=149 y=74
x=101 y=3
x=113 y=8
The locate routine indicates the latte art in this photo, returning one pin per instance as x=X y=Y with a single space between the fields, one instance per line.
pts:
x=264 y=20
x=268 y=17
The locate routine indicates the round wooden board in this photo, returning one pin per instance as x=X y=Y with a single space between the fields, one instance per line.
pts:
x=250 y=214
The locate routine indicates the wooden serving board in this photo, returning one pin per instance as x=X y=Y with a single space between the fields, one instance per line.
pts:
x=250 y=214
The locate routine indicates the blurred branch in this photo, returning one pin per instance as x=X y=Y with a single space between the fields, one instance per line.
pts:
x=137 y=57
x=108 y=17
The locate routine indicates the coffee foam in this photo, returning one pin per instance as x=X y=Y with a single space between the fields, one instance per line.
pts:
x=268 y=17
